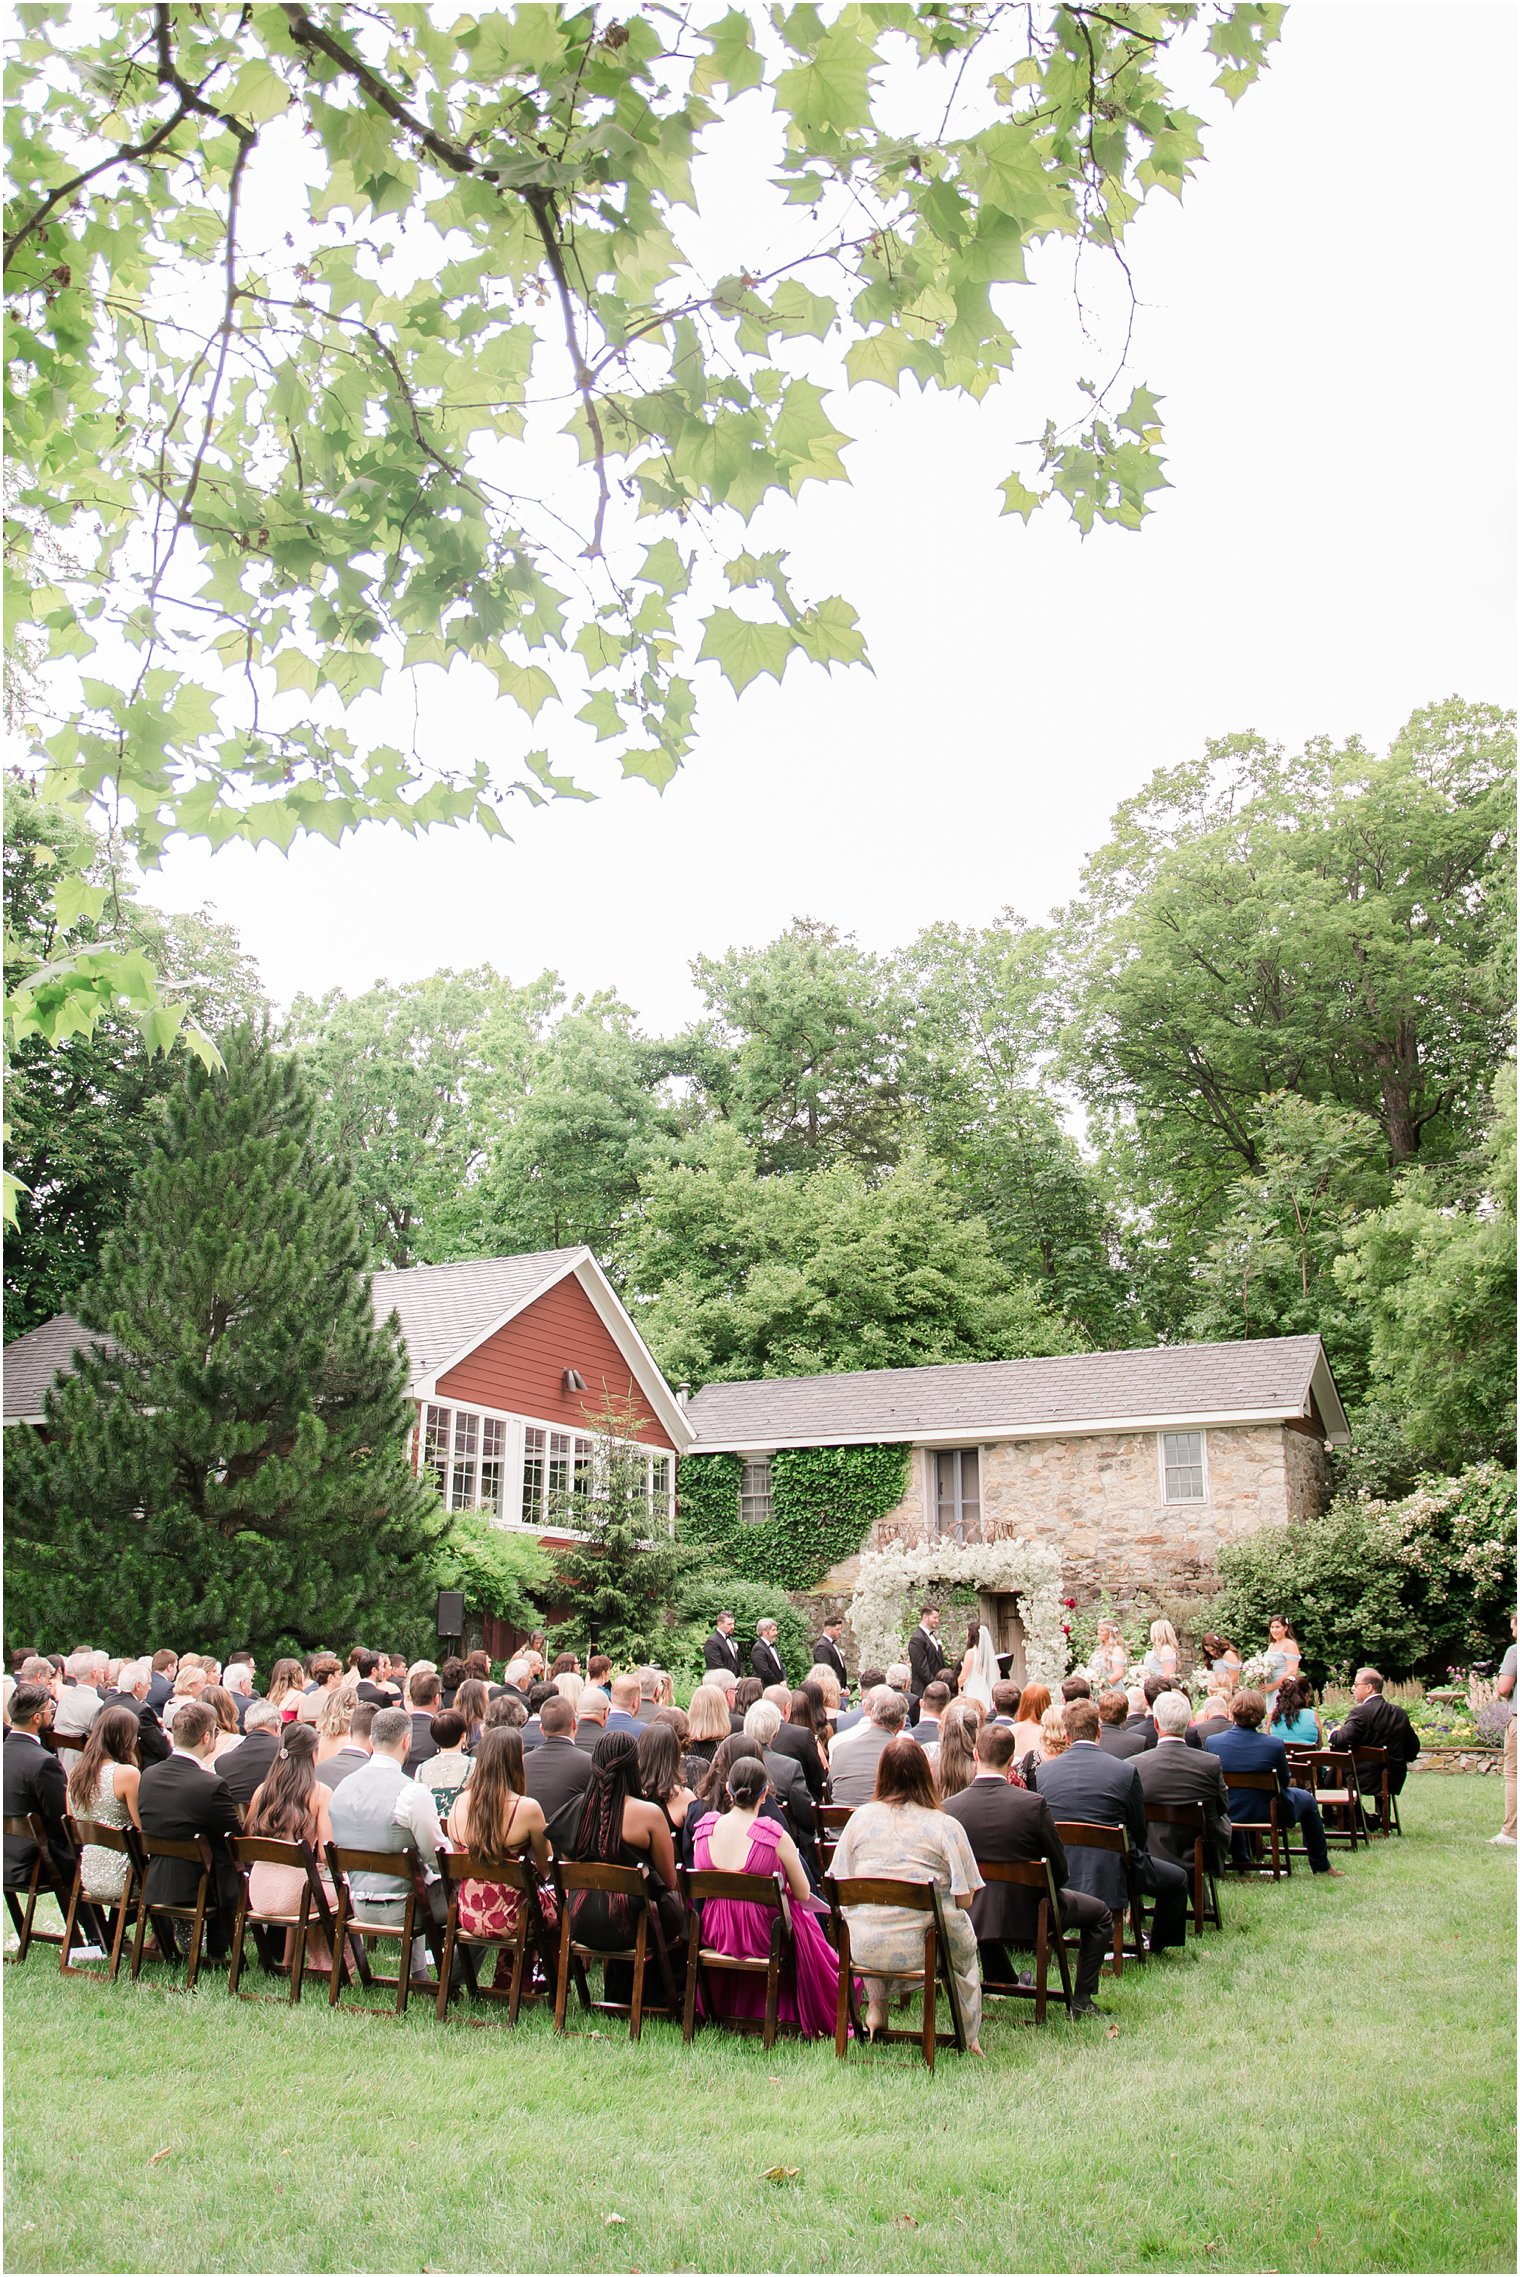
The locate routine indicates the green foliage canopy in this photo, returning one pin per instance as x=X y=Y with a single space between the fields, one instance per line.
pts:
x=300 y=302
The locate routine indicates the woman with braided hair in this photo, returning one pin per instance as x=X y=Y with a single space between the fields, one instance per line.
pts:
x=617 y=1827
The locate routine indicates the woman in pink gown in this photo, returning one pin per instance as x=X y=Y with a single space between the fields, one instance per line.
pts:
x=737 y=1840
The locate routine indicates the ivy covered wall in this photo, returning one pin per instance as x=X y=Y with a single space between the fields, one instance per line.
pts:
x=824 y=1501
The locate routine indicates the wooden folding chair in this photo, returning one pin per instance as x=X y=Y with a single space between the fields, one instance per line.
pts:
x=126 y=1841
x=935 y=1968
x=1189 y=1818
x=1330 y=1776
x=1372 y=1773
x=64 y=1743
x=196 y=1852
x=832 y=1819
x=21 y=1903
x=615 y=1881
x=1276 y=1825
x=530 y=1935
x=249 y=1851
x=1050 y=1934
x=350 y=1930
x=1077 y=1834
x=769 y=1893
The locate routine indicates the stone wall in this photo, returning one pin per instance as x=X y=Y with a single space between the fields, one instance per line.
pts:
x=1098 y=1500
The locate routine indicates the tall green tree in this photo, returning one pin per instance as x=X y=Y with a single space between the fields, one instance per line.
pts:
x=735 y=1273
x=978 y=1099
x=407 y=1078
x=805 y=1038
x=278 y=470
x=81 y=1109
x=229 y=1460
x=1329 y=925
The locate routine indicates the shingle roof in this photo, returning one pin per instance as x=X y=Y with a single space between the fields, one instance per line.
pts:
x=443 y=1308
x=999 y=1399
x=35 y=1359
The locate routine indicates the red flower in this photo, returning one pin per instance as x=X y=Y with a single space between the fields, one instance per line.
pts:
x=1070 y=1603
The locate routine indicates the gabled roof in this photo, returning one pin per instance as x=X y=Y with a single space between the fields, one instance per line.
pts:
x=446 y=1310
x=34 y=1360
x=1272 y=1378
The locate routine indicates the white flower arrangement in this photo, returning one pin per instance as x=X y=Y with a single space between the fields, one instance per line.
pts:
x=892 y=1581
x=1255 y=1675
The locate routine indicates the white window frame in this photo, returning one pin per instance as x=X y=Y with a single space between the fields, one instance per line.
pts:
x=1183 y=1501
x=762 y=1495
x=512 y=1459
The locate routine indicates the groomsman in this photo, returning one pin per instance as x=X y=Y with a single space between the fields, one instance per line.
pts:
x=926 y=1655
x=764 y=1660
x=720 y=1651
x=826 y=1652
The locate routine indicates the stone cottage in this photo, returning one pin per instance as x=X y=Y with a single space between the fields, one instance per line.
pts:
x=1137 y=1466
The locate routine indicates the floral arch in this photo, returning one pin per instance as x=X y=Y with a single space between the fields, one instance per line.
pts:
x=891 y=1581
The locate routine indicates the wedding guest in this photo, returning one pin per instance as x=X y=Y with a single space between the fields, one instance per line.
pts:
x=797 y=1736
x=599 y=1670
x=853 y=1759
x=497 y=1821
x=473 y=1701
x=661 y=1776
x=380 y=1808
x=80 y=1701
x=424 y=1692
x=190 y=1682
x=1214 y=1711
x=707 y=1722
x=219 y=1700
x=556 y=1772
x=179 y=1800
x=451 y=1675
x=102 y=1787
x=445 y=1772
x=617 y=1827
x=764 y=1726
x=291 y=1806
x=133 y=1682
x=829 y=1688
x=1172 y=1774
x=591 y=1718
x=285 y=1680
x=1033 y=1702
x=1055 y=1732
x=326 y=1675
x=246 y=1766
x=1083 y=1784
x=1075 y=1688
x=1115 y=1737
x=1376 y=1722
x=1005 y=1823
x=736 y=1838
x=933 y=1701
x=354 y=1753
x=570 y=1686
x=901 y=1834
x=746 y=1691
x=1246 y=1747
x=1005 y=1703
x=954 y=1760
x=849 y=1719
x=1293 y=1718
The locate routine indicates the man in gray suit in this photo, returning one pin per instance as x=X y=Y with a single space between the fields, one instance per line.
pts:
x=853 y=1760
x=355 y=1751
x=380 y=1808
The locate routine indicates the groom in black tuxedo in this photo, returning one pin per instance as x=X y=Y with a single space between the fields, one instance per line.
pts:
x=926 y=1656
x=720 y=1651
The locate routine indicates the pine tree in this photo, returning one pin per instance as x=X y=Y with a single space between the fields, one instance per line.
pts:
x=229 y=1466
x=619 y=1582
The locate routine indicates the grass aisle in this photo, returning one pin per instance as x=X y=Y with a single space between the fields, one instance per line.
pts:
x=1327 y=2086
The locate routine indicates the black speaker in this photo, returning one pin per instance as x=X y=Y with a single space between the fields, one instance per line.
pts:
x=451 y=1612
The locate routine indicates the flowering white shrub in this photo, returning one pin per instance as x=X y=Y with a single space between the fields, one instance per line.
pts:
x=893 y=1582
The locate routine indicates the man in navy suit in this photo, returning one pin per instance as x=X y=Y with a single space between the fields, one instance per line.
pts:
x=1087 y=1786
x=1244 y=1746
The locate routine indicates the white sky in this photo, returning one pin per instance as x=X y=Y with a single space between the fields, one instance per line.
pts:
x=1330 y=319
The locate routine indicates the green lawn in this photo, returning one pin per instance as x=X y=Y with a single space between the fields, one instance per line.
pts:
x=1329 y=2085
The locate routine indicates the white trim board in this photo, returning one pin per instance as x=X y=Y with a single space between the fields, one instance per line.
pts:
x=986 y=1435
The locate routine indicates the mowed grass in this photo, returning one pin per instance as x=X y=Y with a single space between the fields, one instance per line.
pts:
x=1329 y=2085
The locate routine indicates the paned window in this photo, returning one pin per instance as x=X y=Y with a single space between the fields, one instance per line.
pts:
x=1182 y=1466
x=466 y=1459
x=958 y=1493
x=659 y=1491
x=435 y=1447
x=535 y=1457
x=493 y=1464
x=755 y=1490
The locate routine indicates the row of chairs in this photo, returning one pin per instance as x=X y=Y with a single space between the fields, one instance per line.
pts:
x=330 y=1909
